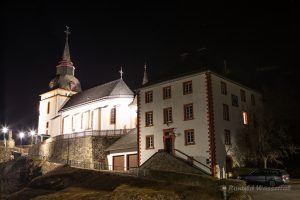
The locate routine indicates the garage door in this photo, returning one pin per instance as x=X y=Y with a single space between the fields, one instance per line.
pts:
x=118 y=163
x=132 y=161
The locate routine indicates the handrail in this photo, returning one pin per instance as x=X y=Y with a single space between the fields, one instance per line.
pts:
x=193 y=159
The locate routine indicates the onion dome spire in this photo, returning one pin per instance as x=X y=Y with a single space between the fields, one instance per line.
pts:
x=65 y=78
x=145 y=78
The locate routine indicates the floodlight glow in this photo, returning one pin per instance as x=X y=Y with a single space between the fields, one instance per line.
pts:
x=21 y=135
x=32 y=132
x=4 y=129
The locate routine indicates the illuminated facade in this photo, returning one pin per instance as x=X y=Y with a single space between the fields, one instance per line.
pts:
x=197 y=115
x=66 y=109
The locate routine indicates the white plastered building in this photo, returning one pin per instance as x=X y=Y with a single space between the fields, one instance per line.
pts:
x=194 y=116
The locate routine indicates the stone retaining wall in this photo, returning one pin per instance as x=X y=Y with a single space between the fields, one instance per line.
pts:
x=86 y=149
x=4 y=154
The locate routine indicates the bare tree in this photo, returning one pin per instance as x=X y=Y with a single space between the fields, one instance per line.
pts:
x=265 y=140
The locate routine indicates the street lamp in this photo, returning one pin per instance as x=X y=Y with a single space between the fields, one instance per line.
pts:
x=4 y=131
x=21 y=135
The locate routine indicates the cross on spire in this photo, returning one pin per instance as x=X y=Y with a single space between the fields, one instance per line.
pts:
x=66 y=54
x=121 y=72
x=67 y=31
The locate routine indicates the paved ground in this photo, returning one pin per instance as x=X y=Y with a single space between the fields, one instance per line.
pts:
x=291 y=192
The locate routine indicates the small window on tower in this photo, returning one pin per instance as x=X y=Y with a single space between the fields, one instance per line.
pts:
x=48 y=108
x=47 y=125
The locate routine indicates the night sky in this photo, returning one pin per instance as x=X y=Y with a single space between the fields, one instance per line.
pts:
x=172 y=37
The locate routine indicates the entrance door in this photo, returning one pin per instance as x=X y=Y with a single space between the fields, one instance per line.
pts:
x=169 y=140
x=168 y=145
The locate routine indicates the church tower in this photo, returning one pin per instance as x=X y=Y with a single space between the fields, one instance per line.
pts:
x=62 y=86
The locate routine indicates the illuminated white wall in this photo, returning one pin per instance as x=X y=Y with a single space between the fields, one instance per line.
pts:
x=96 y=115
x=200 y=122
x=57 y=99
x=125 y=154
x=235 y=113
x=200 y=149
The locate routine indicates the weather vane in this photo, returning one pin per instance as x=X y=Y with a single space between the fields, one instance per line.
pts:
x=121 y=72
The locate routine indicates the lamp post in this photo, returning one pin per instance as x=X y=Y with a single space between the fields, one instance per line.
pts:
x=32 y=133
x=21 y=135
x=4 y=131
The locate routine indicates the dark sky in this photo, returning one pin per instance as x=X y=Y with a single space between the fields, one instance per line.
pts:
x=104 y=36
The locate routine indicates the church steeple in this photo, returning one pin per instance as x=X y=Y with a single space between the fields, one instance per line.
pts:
x=66 y=66
x=145 y=78
x=65 y=78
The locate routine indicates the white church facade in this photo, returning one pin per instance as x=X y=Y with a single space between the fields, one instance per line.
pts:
x=107 y=109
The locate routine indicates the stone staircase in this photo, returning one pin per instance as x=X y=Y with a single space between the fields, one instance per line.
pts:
x=165 y=161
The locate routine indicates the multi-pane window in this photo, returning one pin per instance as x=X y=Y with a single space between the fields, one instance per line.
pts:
x=113 y=116
x=234 y=100
x=243 y=95
x=149 y=118
x=168 y=115
x=189 y=137
x=188 y=112
x=252 y=99
x=223 y=88
x=187 y=87
x=245 y=118
x=48 y=107
x=225 y=112
x=167 y=92
x=148 y=96
x=227 y=136
x=149 y=142
x=86 y=120
x=76 y=122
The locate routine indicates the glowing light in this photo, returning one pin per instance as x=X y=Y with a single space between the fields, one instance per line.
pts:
x=21 y=135
x=245 y=118
x=32 y=132
x=4 y=129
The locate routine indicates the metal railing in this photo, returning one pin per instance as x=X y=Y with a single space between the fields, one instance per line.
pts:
x=95 y=133
x=192 y=161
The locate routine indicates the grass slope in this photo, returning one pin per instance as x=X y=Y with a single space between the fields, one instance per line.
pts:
x=70 y=183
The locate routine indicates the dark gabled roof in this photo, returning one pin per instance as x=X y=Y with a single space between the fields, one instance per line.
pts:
x=126 y=142
x=200 y=71
x=111 y=89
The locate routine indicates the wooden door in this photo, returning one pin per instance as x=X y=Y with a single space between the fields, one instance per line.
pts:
x=118 y=163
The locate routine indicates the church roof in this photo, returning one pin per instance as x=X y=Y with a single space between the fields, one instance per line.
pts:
x=117 y=88
x=126 y=142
